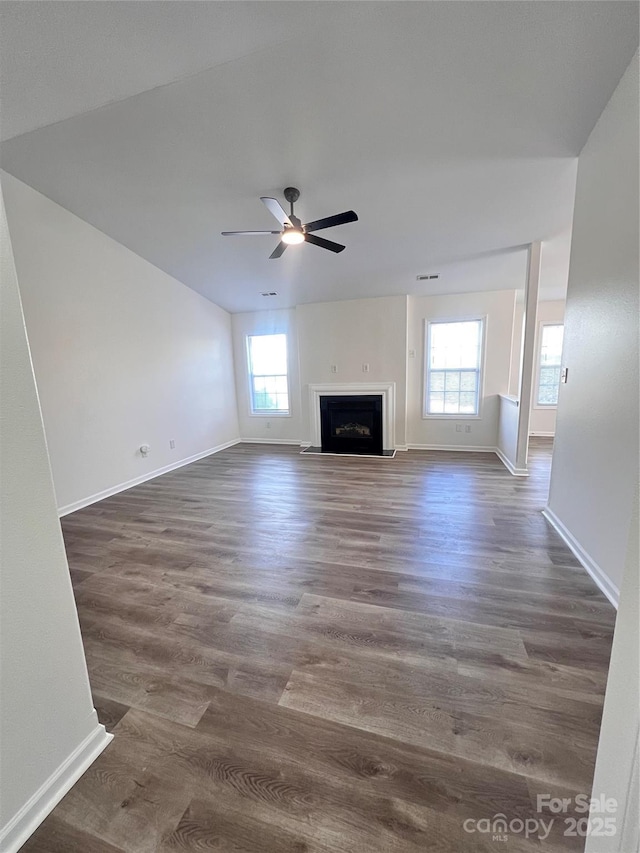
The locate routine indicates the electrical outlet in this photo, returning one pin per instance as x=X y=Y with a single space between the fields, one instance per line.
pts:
x=467 y=428
x=268 y=424
x=412 y=353
x=172 y=444
x=458 y=427
x=365 y=368
x=334 y=368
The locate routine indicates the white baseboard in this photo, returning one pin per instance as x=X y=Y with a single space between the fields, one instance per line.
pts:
x=464 y=448
x=402 y=447
x=601 y=579
x=14 y=834
x=289 y=441
x=508 y=464
x=469 y=448
x=122 y=487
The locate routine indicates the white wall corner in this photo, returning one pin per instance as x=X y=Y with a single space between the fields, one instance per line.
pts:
x=630 y=830
x=47 y=797
x=511 y=468
x=601 y=579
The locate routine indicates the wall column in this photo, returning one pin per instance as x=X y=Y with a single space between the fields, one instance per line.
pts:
x=527 y=359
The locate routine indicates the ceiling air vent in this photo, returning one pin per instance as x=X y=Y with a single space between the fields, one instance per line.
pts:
x=427 y=277
x=269 y=293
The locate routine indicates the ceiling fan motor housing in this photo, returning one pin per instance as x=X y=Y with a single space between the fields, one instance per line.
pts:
x=291 y=194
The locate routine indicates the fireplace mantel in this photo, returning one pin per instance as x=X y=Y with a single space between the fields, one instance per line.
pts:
x=386 y=389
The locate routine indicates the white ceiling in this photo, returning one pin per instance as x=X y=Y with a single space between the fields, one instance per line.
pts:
x=451 y=128
x=61 y=58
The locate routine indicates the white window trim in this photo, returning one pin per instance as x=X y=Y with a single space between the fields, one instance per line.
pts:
x=426 y=343
x=544 y=407
x=275 y=413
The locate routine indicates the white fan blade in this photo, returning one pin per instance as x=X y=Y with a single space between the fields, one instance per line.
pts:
x=274 y=206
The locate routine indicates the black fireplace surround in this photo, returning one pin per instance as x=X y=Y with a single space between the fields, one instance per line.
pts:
x=351 y=424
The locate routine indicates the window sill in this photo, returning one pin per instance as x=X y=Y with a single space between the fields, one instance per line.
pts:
x=269 y=414
x=447 y=417
x=545 y=407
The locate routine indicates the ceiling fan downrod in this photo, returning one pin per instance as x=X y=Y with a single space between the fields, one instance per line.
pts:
x=292 y=195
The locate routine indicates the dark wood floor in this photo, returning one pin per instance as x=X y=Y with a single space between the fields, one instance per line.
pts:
x=321 y=655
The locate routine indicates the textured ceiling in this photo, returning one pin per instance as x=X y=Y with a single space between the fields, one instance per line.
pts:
x=60 y=58
x=451 y=128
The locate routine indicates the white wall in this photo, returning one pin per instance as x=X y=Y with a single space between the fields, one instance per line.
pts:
x=616 y=773
x=595 y=464
x=46 y=716
x=272 y=428
x=508 y=421
x=378 y=332
x=543 y=420
x=498 y=309
x=349 y=334
x=123 y=353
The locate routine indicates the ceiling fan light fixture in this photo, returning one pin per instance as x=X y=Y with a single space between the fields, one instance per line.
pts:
x=292 y=236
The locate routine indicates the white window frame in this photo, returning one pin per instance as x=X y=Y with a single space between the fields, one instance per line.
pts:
x=536 y=390
x=266 y=413
x=483 y=320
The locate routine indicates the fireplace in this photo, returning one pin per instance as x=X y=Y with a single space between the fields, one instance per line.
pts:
x=385 y=390
x=351 y=424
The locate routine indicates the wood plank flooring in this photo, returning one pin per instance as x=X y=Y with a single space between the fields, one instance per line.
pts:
x=302 y=654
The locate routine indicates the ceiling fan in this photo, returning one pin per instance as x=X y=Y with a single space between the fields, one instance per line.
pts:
x=293 y=231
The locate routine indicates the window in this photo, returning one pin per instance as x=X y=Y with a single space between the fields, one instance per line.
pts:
x=454 y=357
x=549 y=364
x=269 y=384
